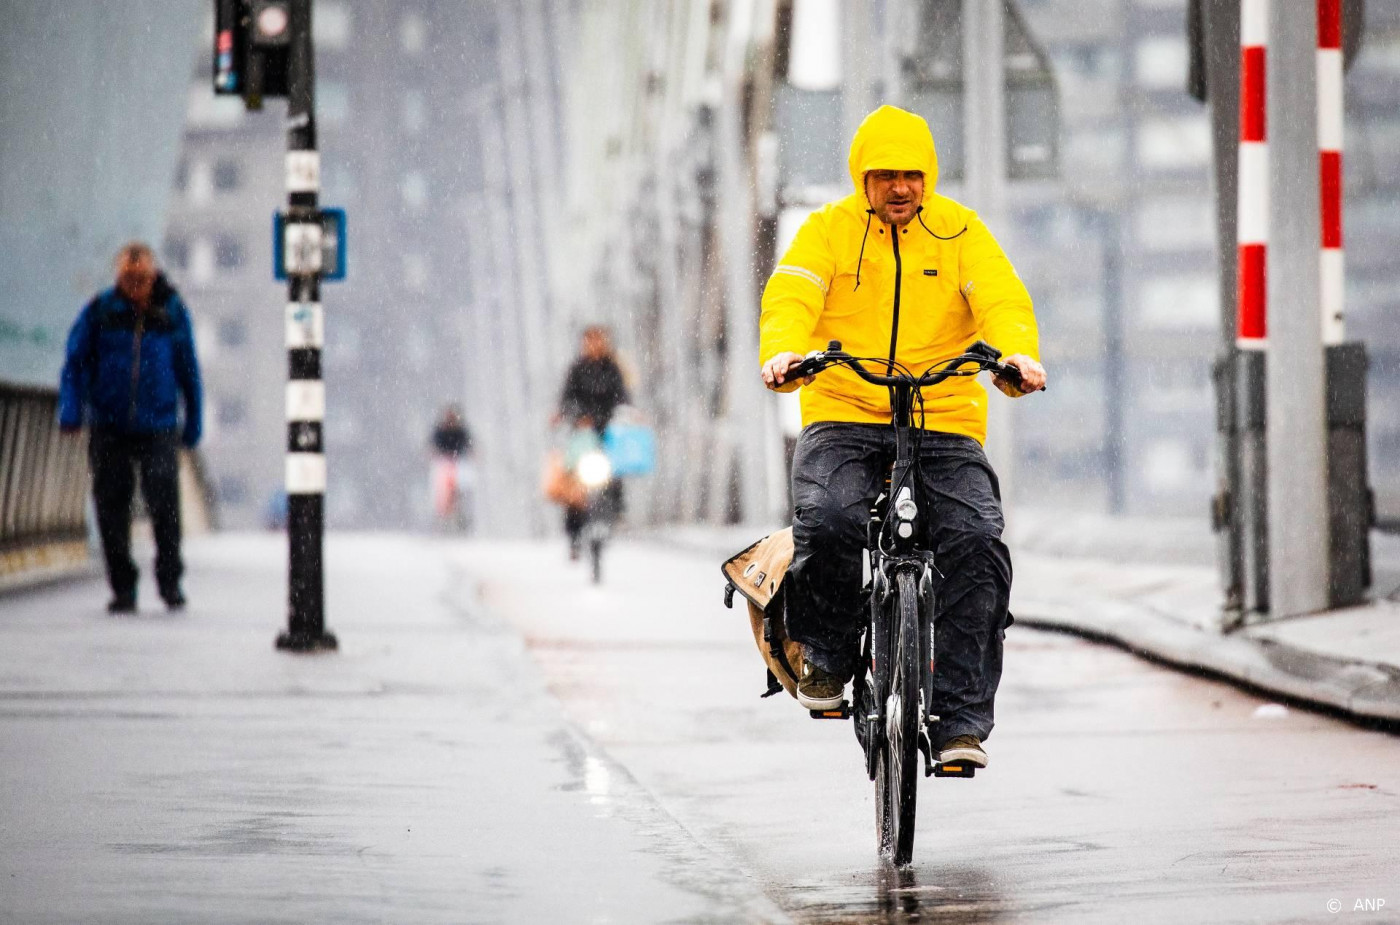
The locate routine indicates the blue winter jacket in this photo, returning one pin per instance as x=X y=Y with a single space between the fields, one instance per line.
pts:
x=125 y=368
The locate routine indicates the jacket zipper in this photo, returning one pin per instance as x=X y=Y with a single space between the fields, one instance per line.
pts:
x=135 y=367
x=898 y=275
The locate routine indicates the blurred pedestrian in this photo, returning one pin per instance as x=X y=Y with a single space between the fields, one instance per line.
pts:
x=452 y=473
x=594 y=388
x=130 y=359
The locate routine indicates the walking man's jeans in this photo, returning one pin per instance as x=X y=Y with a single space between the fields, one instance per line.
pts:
x=837 y=472
x=116 y=458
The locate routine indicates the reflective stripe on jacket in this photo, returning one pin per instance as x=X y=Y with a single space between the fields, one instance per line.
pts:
x=954 y=286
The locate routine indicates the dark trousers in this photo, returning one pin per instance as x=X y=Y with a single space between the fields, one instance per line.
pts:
x=116 y=458
x=837 y=472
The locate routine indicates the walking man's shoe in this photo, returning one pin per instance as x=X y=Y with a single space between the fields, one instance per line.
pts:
x=174 y=599
x=965 y=748
x=818 y=690
x=122 y=603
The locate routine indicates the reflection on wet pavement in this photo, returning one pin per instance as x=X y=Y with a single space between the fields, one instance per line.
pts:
x=896 y=897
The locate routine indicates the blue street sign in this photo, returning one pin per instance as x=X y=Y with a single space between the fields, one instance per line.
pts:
x=331 y=250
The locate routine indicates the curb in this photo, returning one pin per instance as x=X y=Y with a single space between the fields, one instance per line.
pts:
x=34 y=579
x=1368 y=694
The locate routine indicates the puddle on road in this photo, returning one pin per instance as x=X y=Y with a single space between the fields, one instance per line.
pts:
x=897 y=897
x=587 y=773
x=597 y=781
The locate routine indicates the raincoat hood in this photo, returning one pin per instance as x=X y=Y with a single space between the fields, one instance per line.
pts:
x=893 y=139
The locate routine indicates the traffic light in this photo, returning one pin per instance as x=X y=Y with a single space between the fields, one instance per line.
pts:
x=251 y=42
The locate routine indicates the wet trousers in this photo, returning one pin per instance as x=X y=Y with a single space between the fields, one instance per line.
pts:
x=116 y=458
x=837 y=472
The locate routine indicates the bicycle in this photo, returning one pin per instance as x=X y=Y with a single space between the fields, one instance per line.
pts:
x=892 y=691
x=599 y=509
x=590 y=493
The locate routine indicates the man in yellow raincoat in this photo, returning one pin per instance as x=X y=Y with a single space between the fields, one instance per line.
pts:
x=896 y=270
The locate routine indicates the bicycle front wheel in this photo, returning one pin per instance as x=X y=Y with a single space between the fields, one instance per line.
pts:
x=898 y=771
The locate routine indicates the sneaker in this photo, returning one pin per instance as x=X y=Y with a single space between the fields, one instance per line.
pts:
x=174 y=600
x=820 y=691
x=966 y=749
x=122 y=603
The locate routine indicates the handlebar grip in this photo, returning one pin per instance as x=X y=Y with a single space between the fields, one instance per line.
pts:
x=813 y=363
x=808 y=367
x=1012 y=375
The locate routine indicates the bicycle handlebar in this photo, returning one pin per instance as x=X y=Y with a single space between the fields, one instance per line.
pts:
x=981 y=353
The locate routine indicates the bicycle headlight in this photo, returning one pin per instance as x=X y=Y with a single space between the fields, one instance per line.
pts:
x=594 y=470
x=904 y=506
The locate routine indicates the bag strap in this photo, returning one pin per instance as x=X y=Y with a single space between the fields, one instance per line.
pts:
x=775 y=645
x=773 y=686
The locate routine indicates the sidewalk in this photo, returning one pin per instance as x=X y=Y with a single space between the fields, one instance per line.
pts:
x=1151 y=586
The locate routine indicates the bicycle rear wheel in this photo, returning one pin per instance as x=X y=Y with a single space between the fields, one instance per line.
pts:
x=897 y=777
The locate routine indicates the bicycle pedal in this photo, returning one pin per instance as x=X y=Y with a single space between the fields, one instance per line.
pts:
x=955 y=769
x=841 y=712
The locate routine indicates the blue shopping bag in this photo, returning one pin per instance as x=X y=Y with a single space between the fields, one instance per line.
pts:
x=631 y=448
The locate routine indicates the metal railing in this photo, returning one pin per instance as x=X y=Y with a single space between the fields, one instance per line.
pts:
x=43 y=473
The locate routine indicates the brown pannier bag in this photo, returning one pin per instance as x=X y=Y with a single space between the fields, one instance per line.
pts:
x=757 y=573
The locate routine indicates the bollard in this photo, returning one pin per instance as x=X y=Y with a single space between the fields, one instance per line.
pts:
x=1350 y=502
x=1253 y=504
x=1225 y=514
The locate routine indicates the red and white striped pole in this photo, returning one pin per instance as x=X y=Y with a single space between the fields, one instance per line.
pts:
x=1253 y=238
x=1329 y=146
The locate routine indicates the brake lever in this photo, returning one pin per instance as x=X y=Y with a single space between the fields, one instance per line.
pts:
x=983 y=350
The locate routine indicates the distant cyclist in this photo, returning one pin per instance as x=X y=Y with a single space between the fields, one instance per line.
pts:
x=452 y=473
x=896 y=271
x=593 y=390
x=594 y=386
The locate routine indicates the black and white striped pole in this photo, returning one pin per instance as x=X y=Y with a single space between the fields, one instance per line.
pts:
x=305 y=327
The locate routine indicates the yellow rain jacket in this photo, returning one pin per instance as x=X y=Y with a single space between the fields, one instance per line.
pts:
x=942 y=280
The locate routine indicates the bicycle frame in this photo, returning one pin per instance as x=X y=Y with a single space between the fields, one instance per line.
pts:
x=894 y=544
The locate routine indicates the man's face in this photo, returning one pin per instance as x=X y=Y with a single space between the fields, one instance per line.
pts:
x=895 y=195
x=136 y=276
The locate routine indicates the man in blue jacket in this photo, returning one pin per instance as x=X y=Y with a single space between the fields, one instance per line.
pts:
x=130 y=358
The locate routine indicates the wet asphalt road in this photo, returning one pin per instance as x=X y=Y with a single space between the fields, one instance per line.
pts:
x=498 y=741
x=176 y=769
x=1117 y=792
